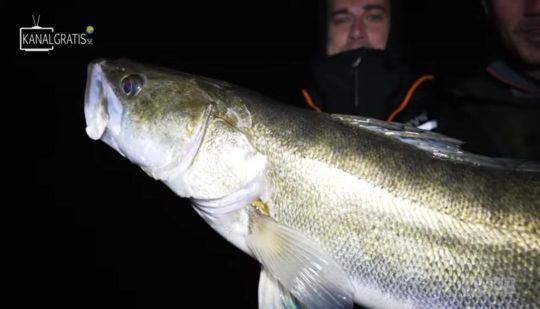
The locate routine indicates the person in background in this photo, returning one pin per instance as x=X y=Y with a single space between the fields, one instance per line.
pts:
x=496 y=112
x=366 y=68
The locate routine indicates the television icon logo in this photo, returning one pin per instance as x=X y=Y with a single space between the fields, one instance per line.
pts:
x=36 y=38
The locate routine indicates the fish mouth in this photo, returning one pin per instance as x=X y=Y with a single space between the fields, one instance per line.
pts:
x=95 y=109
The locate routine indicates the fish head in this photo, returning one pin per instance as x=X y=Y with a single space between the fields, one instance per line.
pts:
x=153 y=116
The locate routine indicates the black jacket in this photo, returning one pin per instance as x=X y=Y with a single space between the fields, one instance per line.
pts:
x=496 y=113
x=373 y=84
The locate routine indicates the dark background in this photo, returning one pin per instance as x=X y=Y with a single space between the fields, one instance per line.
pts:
x=104 y=232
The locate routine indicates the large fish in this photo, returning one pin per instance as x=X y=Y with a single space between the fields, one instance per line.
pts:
x=337 y=209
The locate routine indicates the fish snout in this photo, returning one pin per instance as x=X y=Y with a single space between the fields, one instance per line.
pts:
x=95 y=109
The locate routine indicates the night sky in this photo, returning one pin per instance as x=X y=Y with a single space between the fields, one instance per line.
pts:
x=106 y=233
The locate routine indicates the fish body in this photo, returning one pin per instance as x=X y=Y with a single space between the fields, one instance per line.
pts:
x=337 y=209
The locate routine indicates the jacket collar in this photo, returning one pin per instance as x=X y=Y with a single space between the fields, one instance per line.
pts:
x=519 y=85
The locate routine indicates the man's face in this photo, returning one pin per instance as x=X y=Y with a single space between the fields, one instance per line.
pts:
x=354 y=24
x=518 y=24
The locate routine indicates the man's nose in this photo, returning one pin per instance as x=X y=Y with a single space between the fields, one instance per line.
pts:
x=532 y=7
x=358 y=29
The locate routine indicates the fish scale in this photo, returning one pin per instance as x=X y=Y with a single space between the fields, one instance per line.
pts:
x=336 y=208
x=440 y=242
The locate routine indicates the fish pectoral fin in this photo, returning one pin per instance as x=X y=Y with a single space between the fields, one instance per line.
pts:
x=299 y=264
x=272 y=294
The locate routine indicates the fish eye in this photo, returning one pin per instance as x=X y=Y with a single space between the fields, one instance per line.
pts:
x=131 y=85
